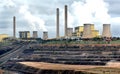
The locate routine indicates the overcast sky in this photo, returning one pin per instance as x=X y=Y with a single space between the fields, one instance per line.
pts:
x=40 y=15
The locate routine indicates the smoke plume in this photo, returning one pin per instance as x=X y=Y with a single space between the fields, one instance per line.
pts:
x=88 y=11
x=35 y=22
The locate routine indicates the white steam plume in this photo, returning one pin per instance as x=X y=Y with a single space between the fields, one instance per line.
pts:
x=34 y=21
x=90 y=11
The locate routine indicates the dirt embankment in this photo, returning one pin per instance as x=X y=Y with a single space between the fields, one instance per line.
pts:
x=42 y=65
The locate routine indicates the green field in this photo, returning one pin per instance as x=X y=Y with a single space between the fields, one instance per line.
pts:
x=82 y=42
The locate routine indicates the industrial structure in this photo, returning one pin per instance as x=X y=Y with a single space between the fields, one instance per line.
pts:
x=35 y=34
x=66 y=20
x=86 y=31
x=95 y=33
x=45 y=35
x=78 y=31
x=24 y=34
x=69 y=32
x=106 y=31
x=2 y=36
x=14 y=27
x=57 y=23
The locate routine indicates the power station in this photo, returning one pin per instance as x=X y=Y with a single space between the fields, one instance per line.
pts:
x=85 y=31
x=81 y=45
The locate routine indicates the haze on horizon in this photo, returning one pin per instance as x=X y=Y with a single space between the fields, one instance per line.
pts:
x=40 y=15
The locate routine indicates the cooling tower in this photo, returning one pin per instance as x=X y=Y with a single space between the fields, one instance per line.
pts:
x=14 y=27
x=35 y=34
x=87 y=33
x=106 y=30
x=65 y=20
x=45 y=35
x=57 y=23
x=24 y=34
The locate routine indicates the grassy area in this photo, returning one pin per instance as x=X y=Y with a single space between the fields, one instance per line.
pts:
x=82 y=42
x=115 y=42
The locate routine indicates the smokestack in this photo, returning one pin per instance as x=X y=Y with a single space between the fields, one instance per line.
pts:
x=87 y=33
x=106 y=30
x=45 y=35
x=65 y=20
x=57 y=24
x=14 y=27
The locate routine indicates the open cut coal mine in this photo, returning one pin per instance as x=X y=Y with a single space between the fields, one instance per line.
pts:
x=82 y=55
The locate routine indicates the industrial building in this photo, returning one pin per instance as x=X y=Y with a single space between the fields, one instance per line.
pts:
x=69 y=32
x=2 y=36
x=35 y=34
x=24 y=34
x=78 y=31
x=45 y=35
x=86 y=31
x=106 y=31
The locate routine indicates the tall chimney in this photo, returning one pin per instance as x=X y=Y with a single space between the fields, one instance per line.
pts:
x=14 y=27
x=87 y=33
x=57 y=24
x=65 y=20
x=106 y=30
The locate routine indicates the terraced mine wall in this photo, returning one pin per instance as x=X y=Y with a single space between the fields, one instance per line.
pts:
x=73 y=54
x=65 y=54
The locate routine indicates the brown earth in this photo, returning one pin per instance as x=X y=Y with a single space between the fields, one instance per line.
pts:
x=52 y=66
